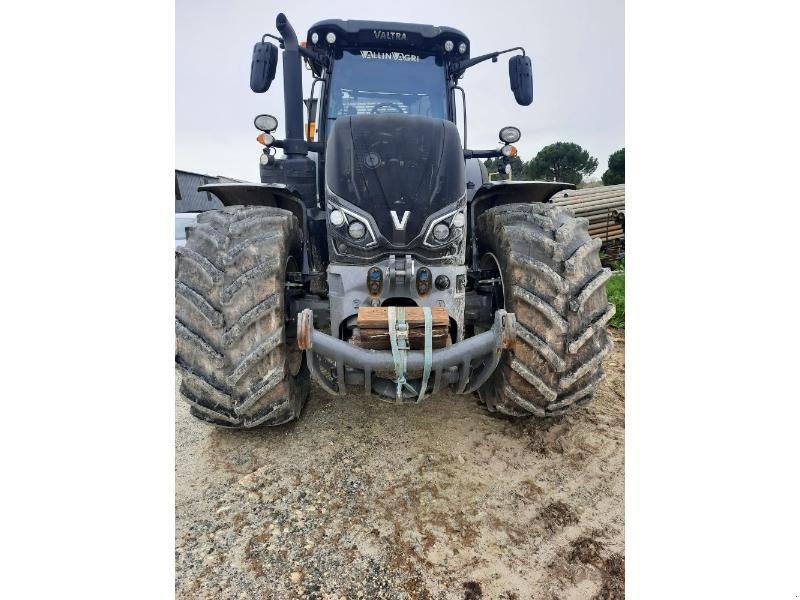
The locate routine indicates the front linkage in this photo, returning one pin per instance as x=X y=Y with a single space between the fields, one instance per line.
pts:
x=403 y=373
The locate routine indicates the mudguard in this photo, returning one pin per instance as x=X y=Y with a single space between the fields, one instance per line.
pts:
x=497 y=193
x=258 y=194
x=278 y=195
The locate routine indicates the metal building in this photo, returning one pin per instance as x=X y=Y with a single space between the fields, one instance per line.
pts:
x=188 y=199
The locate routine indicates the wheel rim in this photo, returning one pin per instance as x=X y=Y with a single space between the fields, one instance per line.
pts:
x=489 y=261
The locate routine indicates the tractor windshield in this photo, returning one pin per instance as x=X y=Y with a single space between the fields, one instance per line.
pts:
x=369 y=82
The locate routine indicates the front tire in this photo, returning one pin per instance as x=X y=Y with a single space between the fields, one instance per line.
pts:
x=554 y=283
x=239 y=367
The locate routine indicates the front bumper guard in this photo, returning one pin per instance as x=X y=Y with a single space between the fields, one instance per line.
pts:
x=463 y=366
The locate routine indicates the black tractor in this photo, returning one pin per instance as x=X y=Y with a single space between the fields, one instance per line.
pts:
x=377 y=255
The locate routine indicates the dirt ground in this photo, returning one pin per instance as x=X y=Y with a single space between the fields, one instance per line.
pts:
x=364 y=499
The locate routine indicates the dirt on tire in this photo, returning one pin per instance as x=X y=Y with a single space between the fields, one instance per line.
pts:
x=364 y=499
x=555 y=285
x=239 y=367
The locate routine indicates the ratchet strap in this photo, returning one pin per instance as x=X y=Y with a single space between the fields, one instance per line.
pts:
x=398 y=338
x=426 y=366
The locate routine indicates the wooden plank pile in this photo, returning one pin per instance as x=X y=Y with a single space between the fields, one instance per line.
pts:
x=603 y=206
x=372 y=329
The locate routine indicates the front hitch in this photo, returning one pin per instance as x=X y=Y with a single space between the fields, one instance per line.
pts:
x=463 y=366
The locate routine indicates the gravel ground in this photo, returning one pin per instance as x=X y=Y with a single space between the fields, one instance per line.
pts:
x=364 y=499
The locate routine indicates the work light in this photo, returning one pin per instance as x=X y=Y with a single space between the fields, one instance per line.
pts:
x=509 y=135
x=265 y=123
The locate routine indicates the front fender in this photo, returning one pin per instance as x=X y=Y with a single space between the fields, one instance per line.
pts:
x=278 y=195
x=497 y=193
x=258 y=194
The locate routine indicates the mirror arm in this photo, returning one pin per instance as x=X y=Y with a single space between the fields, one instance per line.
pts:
x=457 y=68
x=316 y=57
x=274 y=37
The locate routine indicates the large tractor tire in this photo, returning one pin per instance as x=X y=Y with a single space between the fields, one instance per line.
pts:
x=553 y=281
x=240 y=364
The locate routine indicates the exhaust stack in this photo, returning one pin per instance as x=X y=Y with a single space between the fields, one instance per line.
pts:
x=292 y=88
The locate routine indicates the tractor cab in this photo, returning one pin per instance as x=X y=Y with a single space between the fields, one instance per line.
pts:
x=378 y=68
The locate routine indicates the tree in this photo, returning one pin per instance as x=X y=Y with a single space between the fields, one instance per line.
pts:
x=517 y=167
x=562 y=161
x=616 y=168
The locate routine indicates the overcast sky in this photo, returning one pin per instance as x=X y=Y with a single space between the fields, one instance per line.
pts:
x=577 y=49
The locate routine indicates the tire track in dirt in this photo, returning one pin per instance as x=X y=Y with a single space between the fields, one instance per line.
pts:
x=363 y=499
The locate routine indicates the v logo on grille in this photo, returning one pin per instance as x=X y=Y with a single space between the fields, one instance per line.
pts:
x=400 y=223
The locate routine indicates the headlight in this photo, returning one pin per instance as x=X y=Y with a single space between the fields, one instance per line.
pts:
x=314 y=37
x=462 y=47
x=351 y=225
x=337 y=218
x=446 y=229
x=448 y=46
x=331 y=37
x=509 y=135
x=441 y=232
x=356 y=230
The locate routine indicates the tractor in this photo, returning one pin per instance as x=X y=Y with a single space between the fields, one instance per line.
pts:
x=377 y=256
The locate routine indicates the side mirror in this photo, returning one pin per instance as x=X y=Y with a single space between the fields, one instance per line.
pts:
x=262 y=68
x=520 y=74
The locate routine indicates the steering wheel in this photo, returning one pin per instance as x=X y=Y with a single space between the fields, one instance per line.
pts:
x=393 y=105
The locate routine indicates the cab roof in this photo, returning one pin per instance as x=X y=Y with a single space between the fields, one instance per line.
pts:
x=388 y=34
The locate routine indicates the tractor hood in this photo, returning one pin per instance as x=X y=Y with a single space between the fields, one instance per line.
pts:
x=398 y=169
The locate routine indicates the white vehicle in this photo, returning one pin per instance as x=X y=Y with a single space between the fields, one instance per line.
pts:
x=182 y=220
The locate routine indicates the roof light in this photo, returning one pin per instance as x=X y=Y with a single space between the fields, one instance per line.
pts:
x=448 y=46
x=330 y=37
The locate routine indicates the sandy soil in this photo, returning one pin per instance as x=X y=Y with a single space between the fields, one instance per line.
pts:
x=363 y=499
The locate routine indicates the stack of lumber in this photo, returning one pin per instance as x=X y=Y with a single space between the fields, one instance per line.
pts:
x=372 y=329
x=603 y=206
